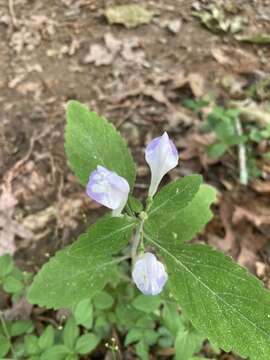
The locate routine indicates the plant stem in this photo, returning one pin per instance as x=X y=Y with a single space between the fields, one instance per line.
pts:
x=7 y=335
x=243 y=173
x=136 y=241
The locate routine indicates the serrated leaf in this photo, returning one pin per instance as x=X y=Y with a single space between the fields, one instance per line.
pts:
x=90 y=140
x=171 y=199
x=83 y=268
x=183 y=224
x=86 y=343
x=224 y=302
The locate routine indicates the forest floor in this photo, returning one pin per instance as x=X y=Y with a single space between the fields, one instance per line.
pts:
x=55 y=50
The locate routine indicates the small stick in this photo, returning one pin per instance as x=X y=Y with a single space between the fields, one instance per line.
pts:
x=243 y=176
x=12 y=12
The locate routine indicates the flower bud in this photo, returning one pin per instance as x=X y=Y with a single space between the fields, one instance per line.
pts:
x=108 y=188
x=162 y=156
x=149 y=274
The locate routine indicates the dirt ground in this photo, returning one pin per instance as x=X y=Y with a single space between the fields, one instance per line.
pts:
x=55 y=50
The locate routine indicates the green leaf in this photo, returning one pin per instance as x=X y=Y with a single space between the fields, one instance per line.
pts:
x=126 y=314
x=102 y=300
x=90 y=140
x=4 y=346
x=171 y=318
x=70 y=333
x=187 y=344
x=135 y=204
x=6 y=265
x=134 y=335
x=183 y=224
x=12 y=285
x=146 y=303
x=57 y=352
x=142 y=350
x=173 y=197
x=46 y=340
x=83 y=313
x=83 y=268
x=224 y=302
x=31 y=345
x=102 y=326
x=20 y=327
x=72 y=357
x=151 y=337
x=86 y=343
x=216 y=150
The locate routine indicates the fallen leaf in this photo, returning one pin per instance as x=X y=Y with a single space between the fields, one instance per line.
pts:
x=21 y=310
x=260 y=39
x=214 y=19
x=131 y=15
x=262 y=187
x=9 y=227
x=194 y=80
x=112 y=44
x=226 y=211
x=174 y=25
x=99 y=55
x=255 y=218
x=196 y=83
x=241 y=60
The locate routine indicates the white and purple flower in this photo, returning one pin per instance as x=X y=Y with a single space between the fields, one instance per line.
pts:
x=162 y=156
x=149 y=274
x=108 y=188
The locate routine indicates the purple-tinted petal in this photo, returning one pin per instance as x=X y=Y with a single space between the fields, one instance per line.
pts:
x=149 y=274
x=108 y=188
x=162 y=156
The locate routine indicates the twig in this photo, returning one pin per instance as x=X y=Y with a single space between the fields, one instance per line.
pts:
x=251 y=113
x=7 y=335
x=242 y=156
x=12 y=12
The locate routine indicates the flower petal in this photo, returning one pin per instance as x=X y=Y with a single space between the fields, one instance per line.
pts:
x=149 y=274
x=162 y=156
x=108 y=188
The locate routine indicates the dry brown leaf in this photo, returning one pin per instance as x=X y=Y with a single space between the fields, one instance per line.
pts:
x=21 y=310
x=241 y=61
x=262 y=187
x=174 y=25
x=99 y=55
x=9 y=227
x=196 y=83
x=241 y=213
x=194 y=80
